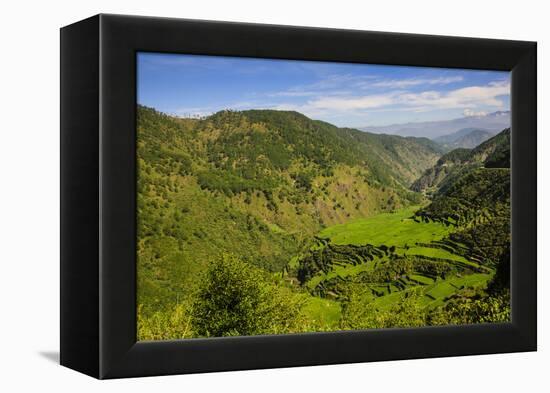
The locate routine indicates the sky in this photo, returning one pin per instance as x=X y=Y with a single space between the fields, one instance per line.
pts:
x=344 y=94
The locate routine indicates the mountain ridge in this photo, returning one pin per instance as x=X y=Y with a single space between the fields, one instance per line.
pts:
x=465 y=138
x=495 y=122
x=493 y=153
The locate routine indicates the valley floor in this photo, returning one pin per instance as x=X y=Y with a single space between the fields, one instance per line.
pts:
x=406 y=237
x=389 y=270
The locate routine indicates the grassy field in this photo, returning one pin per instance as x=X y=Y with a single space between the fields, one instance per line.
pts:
x=436 y=253
x=406 y=237
x=398 y=229
x=435 y=293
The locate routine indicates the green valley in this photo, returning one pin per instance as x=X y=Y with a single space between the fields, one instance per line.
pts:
x=268 y=222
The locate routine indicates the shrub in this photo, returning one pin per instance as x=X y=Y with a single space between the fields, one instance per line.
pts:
x=468 y=310
x=236 y=299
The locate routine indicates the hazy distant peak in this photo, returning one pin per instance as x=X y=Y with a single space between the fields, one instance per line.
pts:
x=491 y=122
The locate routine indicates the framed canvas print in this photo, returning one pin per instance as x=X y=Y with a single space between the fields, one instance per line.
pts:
x=238 y=196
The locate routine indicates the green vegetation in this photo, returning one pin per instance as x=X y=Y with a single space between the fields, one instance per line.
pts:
x=493 y=153
x=473 y=197
x=235 y=299
x=267 y=222
x=399 y=229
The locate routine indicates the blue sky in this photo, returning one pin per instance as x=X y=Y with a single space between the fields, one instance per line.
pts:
x=350 y=95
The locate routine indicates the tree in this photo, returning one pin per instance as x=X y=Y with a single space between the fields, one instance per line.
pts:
x=236 y=298
x=462 y=310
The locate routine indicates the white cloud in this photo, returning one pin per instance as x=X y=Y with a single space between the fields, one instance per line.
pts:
x=467 y=98
x=404 y=83
x=328 y=85
x=337 y=85
x=292 y=93
x=191 y=112
x=330 y=104
x=339 y=80
x=353 y=103
x=471 y=113
x=307 y=93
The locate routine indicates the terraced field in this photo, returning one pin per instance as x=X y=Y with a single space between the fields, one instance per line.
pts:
x=393 y=255
x=434 y=293
x=399 y=229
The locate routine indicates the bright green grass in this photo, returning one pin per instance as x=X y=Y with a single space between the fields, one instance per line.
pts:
x=324 y=312
x=343 y=271
x=443 y=289
x=391 y=229
x=439 y=290
x=436 y=253
x=399 y=230
x=421 y=279
x=444 y=254
x=293 y=263
x=351 y=270
x=312 y=283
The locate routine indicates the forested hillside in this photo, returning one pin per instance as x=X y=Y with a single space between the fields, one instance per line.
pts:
x=494 y=152
x=266 y=221
x=466 y=138
x=444 y=263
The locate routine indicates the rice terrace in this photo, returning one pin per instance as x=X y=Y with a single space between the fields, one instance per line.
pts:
x=267 y=204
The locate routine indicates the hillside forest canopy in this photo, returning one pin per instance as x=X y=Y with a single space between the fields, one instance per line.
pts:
x=266 y=221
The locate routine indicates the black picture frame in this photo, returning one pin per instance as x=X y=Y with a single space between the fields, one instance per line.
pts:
x=98 y=195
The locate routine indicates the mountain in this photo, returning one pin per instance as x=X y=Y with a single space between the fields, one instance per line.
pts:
x=465 y=138
x=492 y=122
x=493 y=153
x=449 y=138
x=268 y=222
x=474 y=198
x=256 y=183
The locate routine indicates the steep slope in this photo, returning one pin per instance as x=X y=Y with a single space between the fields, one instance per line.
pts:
x=284 y=137
x=449 y=138
x=465 y=199
x=401 y=157
x=478 y=205
x=465 y=138
x=438 y=261
x=476 y=200
x=500 y=156
x=498 y=143
x=493 y=153
x=257 y=184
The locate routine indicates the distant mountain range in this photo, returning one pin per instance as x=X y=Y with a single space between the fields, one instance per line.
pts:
x=465 y=138
x=492 y=122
